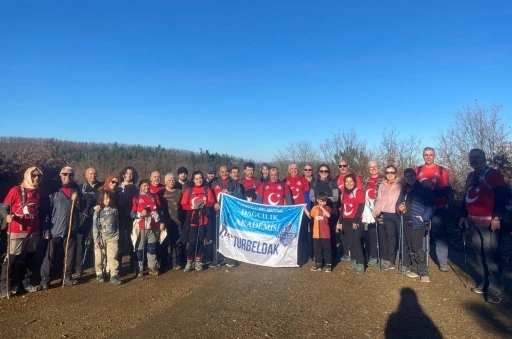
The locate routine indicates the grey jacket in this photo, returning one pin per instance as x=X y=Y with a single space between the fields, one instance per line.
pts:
x=57 y=214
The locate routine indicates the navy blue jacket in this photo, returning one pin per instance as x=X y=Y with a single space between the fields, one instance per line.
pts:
x=419 y=202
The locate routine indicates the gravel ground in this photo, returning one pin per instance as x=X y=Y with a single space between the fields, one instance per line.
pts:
x=258 y=302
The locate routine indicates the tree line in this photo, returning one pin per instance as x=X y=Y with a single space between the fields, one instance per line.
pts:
x=475 y=126
x=50 y=155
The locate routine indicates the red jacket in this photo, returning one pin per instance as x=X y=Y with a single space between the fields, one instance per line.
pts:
x=151 y=201
x=26 y=219
x=194 y=195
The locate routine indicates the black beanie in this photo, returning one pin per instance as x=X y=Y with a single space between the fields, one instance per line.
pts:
x=182 y=170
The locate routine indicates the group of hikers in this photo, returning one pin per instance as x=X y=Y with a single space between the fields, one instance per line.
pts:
x=383 y=221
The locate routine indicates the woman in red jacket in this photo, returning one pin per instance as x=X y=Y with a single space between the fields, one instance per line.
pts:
x=146 y=208
x=352 y=206
x=196 y=201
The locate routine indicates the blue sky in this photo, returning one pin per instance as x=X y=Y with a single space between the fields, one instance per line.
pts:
x=247 y=77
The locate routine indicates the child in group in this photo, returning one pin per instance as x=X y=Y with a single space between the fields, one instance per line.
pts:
x=321 y=233
x=106 y=236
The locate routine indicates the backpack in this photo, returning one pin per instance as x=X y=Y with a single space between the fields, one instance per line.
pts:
x=481 y=178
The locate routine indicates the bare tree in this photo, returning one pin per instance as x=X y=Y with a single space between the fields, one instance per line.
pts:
x=347 y=146
x=475 y=126
x=401 y=152
x=300 y=152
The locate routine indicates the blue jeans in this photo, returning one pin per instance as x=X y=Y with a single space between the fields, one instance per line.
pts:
x=486 y=246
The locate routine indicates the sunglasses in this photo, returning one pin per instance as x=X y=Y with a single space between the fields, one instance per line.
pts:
x=307 y=169
x=323 y=171
x=114 y=182
x=37 y=175
x=66 y=174
x=342 y=166
x=390 y=172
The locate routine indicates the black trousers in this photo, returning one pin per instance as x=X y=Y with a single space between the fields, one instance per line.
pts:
x=196 y=236
x=388 y=237
x=370 y=241
x=353 y=237
x=82 y=247
x=303 y=245
x=414 y=244
x=322 y=248
x=53 y=262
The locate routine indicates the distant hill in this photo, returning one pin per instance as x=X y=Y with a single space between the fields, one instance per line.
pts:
x=17 y=154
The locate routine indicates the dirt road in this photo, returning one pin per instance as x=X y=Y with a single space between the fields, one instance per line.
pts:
x=251 y=301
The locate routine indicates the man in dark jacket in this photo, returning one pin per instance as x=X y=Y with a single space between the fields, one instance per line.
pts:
x=88 y=191
x=55 y=229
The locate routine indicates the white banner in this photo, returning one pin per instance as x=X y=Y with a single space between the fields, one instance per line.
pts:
x=259 y=234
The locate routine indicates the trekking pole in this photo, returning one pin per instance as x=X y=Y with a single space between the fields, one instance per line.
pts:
x=143 y=239
x=67 y=241
x=427 y=246
x=401 y=247
x=8 y=257
x=465 y=253
x=378 y=245
x=216 y=230
x=197 y=237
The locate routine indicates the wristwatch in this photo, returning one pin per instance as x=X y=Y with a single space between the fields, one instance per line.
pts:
x=496 y=218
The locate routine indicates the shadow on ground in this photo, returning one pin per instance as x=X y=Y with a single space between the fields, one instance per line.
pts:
x=409 y=320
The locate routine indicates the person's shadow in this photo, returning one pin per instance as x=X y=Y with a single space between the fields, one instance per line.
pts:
x=409 y=321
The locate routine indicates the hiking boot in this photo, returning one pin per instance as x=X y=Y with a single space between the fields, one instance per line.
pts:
x=316 y=267
x=412 y=274
x=353 y=265
x=45 y=285
x=359 y=268
x=153 y=271
x=345 y=258
x=444 y=268
x=328 y=268
x=32 y=288
x=188 y=267
x=386 y=265
x=493 y=297
x=199 y=266
x=70 y=282
x=424 y=278
x=404 y=270
x=480 y=289
x=100 y=279
x=372 y=262
x=178 y=267
x=115 y=280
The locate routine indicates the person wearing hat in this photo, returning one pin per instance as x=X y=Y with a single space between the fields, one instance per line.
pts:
x=182 y=182
x=416 y=204
x=210 y=174
x=23 y=221
x=55 y=228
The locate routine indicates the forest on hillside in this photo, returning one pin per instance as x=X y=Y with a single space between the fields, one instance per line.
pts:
x=475 y=126
x=17 y=154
